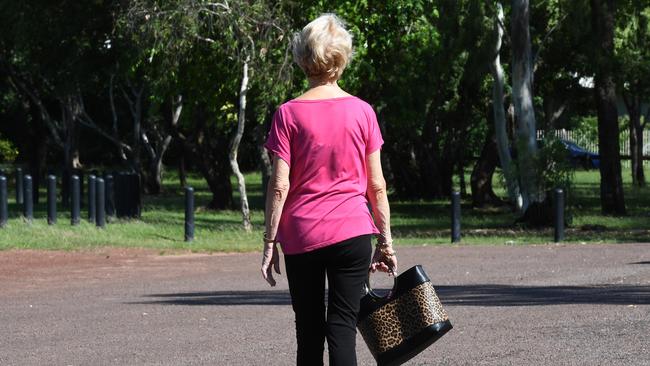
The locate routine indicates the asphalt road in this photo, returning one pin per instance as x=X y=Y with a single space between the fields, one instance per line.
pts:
x=510 y=305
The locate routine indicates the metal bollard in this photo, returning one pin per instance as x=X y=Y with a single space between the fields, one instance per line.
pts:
x=559 y=215
x=19 y=186
x=51 y=200
x=92 y=197
x=100 y=207
x=28 y=198
x=4 y=209
x=75 y=198
x=110 y=198
x=189 y=214
x=455 y=217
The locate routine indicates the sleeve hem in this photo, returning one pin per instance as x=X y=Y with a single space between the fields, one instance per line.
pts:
x=373 y=149
x=280 y=155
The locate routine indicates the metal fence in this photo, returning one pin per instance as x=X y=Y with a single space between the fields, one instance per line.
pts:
x=591 y=145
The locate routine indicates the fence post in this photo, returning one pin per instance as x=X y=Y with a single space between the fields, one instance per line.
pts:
x=28 y=198
x=189 y=214
x=4 y=210
x=51 y=200
x=455 y=217
x=19 y=186
x=101 y=201
x=559 y=215
x=92 y=200
x=75 y=204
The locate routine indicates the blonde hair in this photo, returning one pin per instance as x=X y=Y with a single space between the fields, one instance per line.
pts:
x=323 y=48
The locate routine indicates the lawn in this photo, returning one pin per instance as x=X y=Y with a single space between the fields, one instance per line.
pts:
x=413 y=222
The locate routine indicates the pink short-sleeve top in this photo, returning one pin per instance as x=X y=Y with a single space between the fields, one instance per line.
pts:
x=325 y=143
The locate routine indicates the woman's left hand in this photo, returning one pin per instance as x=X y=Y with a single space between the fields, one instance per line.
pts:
x=270 y=261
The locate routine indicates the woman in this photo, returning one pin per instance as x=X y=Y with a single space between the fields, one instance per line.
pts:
x=326 y=166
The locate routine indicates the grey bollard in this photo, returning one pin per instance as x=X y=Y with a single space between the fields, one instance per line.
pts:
x=100 y=207
x=19 y=186
x=75 y=200
x=455 y=217
x=559 y=215
x=92 y=199
x=51 y=200
x=28 y=198
x=4 y=209
x=110 y=198
x=189 y=214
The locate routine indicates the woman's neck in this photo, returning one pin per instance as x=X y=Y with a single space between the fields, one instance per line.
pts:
x=320 y=89
x=316 y=83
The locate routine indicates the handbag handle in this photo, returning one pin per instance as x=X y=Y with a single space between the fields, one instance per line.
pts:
x=367 y=289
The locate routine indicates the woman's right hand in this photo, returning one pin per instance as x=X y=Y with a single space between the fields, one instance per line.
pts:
x=383 y=261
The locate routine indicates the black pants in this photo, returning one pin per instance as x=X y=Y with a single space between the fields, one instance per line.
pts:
x=346 y=265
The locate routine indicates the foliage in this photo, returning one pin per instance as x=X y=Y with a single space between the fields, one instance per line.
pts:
x=8 y=152
x=554 y=165
x=423 y=65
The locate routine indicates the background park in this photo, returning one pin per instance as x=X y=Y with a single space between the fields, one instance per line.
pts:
x=503 y=102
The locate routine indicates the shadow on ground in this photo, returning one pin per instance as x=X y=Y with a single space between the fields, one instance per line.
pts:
x=470 y=295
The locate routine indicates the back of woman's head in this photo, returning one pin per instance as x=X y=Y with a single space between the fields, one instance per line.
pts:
x=323 y=48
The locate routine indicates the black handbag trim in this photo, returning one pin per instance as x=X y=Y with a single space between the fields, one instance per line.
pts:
x=414 y=345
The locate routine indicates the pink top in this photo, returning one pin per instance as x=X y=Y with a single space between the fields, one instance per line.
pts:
x=325 y=143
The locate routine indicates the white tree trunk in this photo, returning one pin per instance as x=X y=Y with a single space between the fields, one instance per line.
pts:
x=522 y=96
x=234 y=147
x=500 y=126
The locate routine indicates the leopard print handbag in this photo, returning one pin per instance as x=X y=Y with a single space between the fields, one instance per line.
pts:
x=405 y=322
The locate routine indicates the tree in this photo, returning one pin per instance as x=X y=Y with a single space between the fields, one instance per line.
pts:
x=53 y=78
x=611 y=184
x=202 y=42
x=499 y=115
x=522 y=96
x=633 y=56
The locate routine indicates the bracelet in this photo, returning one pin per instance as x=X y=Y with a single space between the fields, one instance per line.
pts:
x=387 y=252
x=383 y=241
x=267 y=239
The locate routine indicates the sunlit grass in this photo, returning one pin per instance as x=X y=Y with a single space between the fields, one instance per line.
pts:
x=413 y=222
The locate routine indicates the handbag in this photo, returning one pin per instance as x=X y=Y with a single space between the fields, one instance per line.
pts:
x=404 y=323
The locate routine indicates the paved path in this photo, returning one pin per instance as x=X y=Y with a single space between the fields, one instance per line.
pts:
x=528 y=305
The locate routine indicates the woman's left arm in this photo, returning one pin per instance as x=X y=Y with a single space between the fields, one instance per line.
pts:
x=276 y=195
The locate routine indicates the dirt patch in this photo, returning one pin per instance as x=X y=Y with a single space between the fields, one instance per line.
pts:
x=39 y=269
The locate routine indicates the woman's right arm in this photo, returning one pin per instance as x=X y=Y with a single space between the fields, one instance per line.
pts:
x=384 y=258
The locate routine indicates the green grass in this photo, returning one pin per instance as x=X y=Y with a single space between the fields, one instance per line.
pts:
x=413 y=222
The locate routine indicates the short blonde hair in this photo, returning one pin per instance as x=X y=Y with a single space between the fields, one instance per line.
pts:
x=323 y=48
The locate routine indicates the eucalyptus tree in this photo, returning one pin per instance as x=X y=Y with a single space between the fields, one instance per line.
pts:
x=214 y=39
x=522 y=96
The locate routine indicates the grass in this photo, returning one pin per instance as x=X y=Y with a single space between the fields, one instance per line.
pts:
x=413 y=222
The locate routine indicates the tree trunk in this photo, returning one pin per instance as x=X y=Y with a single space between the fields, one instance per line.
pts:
x=522 y=95
x=266 y=166
x=182 y=173
x=640 y=173
x=611 y=183
x=481 y=180
x=209 y=149
x=234 y=146
x=500 y=123
x=633 y=105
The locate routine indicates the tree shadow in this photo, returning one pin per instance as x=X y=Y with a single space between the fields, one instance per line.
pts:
x=508 y=295
x=468 y=295
x=221 y=298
